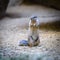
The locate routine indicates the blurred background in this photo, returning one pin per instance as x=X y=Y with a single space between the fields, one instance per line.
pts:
x=46 y=10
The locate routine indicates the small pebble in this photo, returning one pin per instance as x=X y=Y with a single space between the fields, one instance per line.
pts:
x=58 y=39
x=23 y=43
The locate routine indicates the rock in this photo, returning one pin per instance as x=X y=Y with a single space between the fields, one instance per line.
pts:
x=23 y=43
x=15 y=2
x=3 y=7
x=50 y=3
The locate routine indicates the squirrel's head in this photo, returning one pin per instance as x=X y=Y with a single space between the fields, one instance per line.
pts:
x=33 y=24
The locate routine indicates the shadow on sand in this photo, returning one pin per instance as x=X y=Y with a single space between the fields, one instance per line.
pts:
x=55 y=26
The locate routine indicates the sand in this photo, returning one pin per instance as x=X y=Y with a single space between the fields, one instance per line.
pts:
x=12 y=30
x=11 y=33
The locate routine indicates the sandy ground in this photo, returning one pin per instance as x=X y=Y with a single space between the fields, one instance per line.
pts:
x=12 y=30
x=11 y=33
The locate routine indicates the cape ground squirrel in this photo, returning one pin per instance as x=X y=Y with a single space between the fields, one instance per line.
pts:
x=33 y=36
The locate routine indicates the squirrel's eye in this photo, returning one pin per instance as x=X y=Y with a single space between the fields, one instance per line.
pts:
x=31 y=25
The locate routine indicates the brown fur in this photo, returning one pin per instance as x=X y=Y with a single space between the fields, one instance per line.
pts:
x=33 y=33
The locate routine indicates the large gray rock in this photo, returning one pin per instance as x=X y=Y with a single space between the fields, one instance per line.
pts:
x=15 y=2
x=3 y=7
x=51 y=3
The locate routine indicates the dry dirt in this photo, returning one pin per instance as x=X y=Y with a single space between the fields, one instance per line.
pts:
x=12 y=30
